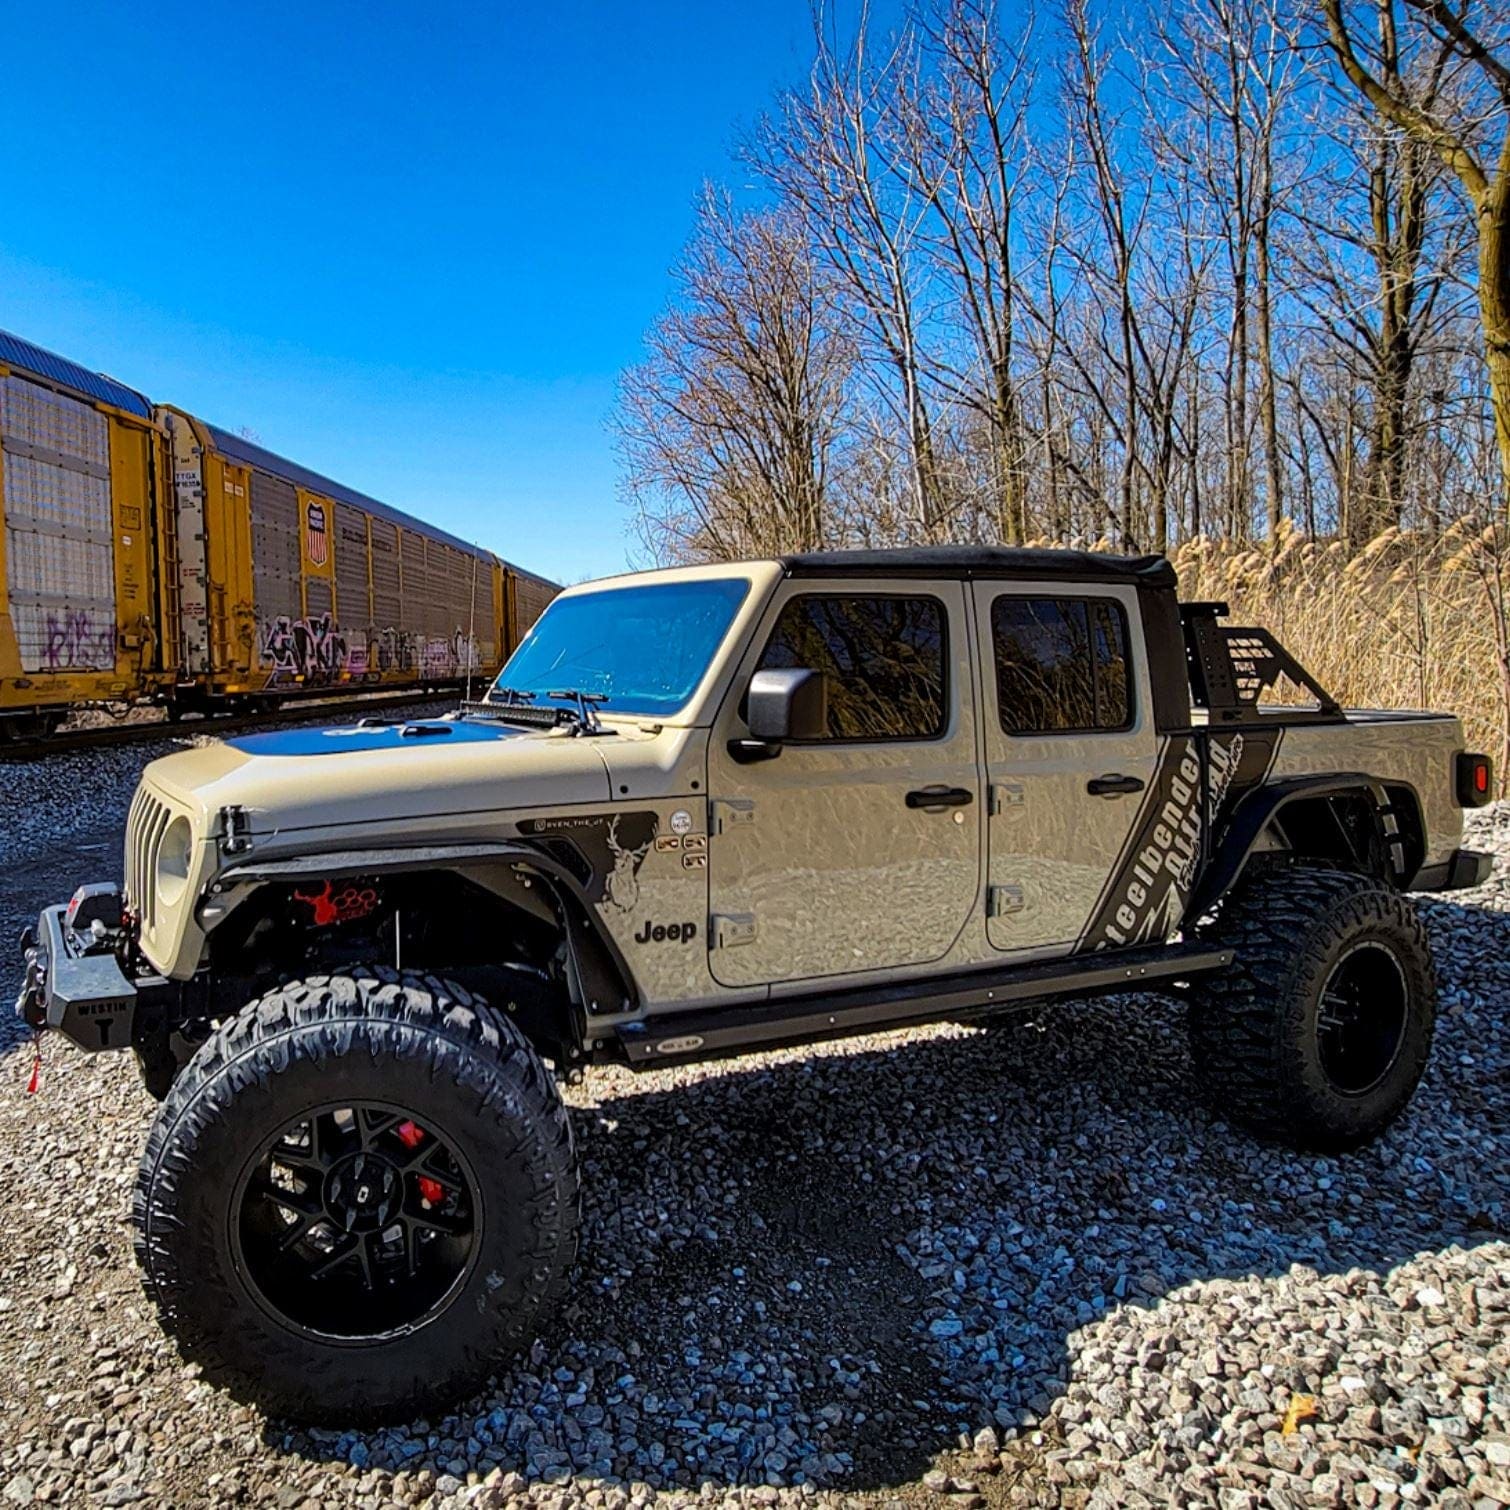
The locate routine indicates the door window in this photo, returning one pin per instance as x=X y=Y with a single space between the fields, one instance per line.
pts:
x=1061 y=665
x=882 y=659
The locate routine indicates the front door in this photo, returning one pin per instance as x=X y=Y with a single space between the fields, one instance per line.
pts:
x=1070 y=753
x=860 y=850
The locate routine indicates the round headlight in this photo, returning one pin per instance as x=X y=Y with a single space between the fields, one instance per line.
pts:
x=173 y=860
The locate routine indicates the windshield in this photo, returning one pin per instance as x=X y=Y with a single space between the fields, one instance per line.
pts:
x=644 y=649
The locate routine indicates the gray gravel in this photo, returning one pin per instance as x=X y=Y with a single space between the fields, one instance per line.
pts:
x=950 y=1265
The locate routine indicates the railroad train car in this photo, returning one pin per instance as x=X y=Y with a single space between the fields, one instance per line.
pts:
x=150 y=557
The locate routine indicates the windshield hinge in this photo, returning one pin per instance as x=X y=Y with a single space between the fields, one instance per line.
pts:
x=585 y=708
x=235 y=830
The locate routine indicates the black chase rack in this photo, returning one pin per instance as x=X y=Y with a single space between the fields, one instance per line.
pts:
x=1232 y=667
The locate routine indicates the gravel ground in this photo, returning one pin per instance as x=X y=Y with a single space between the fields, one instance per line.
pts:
x=949 y=1265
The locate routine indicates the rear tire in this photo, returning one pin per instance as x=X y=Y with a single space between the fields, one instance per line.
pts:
x=1320 y=1030
x=359 y=1197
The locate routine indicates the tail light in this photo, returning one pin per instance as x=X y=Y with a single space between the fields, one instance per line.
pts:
x=1475 y=780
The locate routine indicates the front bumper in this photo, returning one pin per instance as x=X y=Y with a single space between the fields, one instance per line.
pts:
x=1466 y=867
x=74 y=982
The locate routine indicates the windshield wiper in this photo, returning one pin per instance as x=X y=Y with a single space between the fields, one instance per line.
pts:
x=508 y=696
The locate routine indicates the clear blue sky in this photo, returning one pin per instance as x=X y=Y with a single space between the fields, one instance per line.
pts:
x=409 y=246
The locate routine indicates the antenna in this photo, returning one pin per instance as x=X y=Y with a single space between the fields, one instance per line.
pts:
x=472 y=625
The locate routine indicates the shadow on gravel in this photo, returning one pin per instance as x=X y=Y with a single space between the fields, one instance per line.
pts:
x=831 y=1265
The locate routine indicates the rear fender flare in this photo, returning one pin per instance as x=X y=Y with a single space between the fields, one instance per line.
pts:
x=1256 y=813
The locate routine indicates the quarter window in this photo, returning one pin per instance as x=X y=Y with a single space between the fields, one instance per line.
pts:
x=1061 y=665
x=882 y=660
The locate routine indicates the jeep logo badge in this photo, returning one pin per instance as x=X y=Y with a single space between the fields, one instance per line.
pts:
x=661 y=933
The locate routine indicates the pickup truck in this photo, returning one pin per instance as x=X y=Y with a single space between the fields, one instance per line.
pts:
x=710 y=811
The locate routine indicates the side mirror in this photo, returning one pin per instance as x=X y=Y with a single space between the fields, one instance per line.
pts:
x=785 y=705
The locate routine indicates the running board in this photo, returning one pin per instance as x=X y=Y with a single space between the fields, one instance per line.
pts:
x=710 y=1032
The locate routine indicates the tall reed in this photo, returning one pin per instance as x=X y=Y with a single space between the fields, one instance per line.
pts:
x=1409 y=621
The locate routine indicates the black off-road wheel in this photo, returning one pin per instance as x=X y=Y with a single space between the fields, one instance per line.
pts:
x=358 y=1199
x=1319 y=1032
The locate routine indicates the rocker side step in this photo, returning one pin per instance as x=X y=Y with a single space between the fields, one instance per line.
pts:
x=709 y=1033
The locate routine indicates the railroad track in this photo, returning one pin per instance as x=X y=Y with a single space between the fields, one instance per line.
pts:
x=324 y=711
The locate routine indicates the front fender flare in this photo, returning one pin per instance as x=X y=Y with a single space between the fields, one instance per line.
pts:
x=598 y=963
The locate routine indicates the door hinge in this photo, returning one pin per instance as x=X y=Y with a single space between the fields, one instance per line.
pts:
x=1003 y=900
x=1005 y=795
x=732 y=929
x=731 y=812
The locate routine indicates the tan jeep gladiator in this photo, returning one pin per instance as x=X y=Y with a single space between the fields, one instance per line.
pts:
x=704 y=812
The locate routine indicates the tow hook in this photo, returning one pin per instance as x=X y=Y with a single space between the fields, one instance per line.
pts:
x=31 y=1006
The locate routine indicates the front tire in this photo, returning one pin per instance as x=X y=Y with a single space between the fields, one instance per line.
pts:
x=1320 y=1030
x=358 y=1198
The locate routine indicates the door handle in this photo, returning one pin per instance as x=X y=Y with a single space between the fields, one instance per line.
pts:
x=940 y=796
x=1113 y=786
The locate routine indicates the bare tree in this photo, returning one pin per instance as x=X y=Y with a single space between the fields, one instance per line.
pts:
x=834 y=152
x=1119 y=224
x=1228 y=69
x=965 y=133
x=1016 y=276
x=1143 y=258
x=1467 y=130
x=1045 y=311
x=731 y=427
x=1374 y=266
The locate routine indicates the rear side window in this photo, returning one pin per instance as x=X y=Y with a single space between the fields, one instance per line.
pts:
x=1061 y=665
x=882 y=658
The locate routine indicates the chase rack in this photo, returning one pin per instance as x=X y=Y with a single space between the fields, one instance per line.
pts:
x=1232 y=667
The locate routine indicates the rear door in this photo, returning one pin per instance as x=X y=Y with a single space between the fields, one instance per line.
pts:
x=1070 y=752
x=831 y=859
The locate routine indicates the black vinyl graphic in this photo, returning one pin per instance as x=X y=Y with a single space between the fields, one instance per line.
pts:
x=613 y=845
x=1156 y=875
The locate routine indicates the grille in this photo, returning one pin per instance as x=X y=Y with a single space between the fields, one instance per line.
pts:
x=145 y=828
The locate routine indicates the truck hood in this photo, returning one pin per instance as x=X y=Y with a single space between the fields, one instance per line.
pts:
x=423 y=772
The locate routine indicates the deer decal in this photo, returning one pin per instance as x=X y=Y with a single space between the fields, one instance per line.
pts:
x=622 y=888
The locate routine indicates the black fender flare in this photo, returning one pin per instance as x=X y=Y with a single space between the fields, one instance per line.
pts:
x=603 y=975
x=1255 y=812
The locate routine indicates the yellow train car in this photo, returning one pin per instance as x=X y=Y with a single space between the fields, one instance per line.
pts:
x=524 y=599
x=148 y=556
x=285 y=582
x=81 y=462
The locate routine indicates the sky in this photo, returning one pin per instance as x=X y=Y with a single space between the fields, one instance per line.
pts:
x=409 y=246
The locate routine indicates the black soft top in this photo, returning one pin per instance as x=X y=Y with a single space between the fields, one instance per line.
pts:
x=988 y=561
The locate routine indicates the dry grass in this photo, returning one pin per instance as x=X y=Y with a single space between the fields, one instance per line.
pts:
x=1409 y=621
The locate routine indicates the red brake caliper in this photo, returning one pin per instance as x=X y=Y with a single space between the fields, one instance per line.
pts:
x=411 y=1136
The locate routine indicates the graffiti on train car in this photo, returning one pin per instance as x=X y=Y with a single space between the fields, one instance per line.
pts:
x=391 y=650
x=75 y=641
x=198 y=570
x=312 y=649
x=315 y=650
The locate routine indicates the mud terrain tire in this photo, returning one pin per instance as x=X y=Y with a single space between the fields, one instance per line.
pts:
x=1320 y=1030
x=467 y=1084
